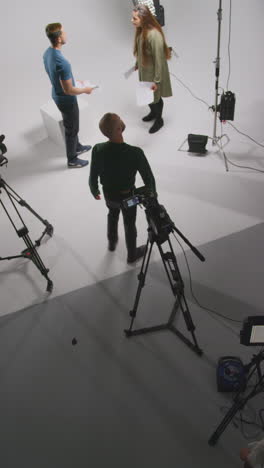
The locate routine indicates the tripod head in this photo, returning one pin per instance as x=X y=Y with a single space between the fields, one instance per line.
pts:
x=159 y=221
x=3 y=150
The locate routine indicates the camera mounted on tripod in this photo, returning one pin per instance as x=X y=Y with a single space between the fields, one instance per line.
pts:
x=159 y=221
x=3 y=150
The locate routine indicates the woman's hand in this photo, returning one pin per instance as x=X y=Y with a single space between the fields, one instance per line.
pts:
x=154 y=87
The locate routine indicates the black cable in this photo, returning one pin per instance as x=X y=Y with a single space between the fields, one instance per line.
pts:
x=231 y=162
x=229 y=42
x=194 y=297
x=261 y=417
x=190 y=91
x=241 y=133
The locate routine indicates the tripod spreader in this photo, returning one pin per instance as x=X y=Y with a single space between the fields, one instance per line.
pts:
x=177 y=287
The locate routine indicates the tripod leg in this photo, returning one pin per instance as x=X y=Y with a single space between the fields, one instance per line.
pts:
x=14 y=196
x=32 y=254
x=177 y=286
x=224 y=423
x=239 y=401
x=141 y=284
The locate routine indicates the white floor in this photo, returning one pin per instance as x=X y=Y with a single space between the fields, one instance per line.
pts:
x=204 y=200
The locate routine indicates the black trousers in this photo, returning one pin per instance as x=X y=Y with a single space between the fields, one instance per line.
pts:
x=70 y=116
x=129 y=217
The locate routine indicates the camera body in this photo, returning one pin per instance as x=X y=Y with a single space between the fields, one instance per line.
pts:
x=158 y=219
x=3 y=150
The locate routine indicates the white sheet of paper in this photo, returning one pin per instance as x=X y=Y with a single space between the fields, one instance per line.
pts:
x=144 y=93
x=175 y=53
x=85 y=84
x=129 y=72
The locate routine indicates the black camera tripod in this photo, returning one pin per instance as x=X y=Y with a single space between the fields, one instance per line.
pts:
x=30 y=252
x=176 y=284
x=240 y=400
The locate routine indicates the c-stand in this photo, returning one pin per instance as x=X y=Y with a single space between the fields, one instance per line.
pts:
x=240 y=401
x=30 y=252
x=175 y=280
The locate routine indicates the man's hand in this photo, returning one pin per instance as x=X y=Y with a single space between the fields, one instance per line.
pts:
x=88 y=90
x=244 y=453
x=154 y=87
x=98 y=197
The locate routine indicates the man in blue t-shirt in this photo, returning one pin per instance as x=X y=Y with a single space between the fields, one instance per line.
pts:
x=64 y=93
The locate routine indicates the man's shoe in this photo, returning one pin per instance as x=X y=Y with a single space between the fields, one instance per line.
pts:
x=83 y=149
x=77 y=163
x=148 y=117
x=138 y=254
x=112 y=245
x=156 y=126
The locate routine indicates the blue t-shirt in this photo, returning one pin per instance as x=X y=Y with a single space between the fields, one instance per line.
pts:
x=58 y=68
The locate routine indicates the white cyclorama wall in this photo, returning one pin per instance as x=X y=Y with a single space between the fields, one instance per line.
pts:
x=100 y=43
x=197 y=193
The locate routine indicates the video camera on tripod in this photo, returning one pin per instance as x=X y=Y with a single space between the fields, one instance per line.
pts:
x=159 y=230
x=158 y=218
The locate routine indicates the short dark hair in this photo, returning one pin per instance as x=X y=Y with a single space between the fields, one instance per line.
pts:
x=107 y=125
x=53 y=31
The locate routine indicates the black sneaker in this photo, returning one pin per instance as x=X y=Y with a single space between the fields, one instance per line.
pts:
x=138 y=254
x=83 y=149
x=77 y=163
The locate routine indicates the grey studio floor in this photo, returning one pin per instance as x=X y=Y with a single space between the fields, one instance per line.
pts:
x=146 y=401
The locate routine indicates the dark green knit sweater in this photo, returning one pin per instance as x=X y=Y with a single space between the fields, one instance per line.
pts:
x=116 y=164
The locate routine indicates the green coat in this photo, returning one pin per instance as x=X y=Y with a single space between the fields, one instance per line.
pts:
x=156 y=68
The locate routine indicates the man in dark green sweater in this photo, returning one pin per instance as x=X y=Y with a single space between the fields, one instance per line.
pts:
x=116 y=164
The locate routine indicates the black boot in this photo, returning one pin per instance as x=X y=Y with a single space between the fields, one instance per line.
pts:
x=151 y=115
x=158 y=119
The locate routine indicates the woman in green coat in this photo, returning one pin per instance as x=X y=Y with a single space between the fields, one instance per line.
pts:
x=152 y=53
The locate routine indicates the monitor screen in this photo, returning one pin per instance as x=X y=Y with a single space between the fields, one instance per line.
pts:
x=257 y=334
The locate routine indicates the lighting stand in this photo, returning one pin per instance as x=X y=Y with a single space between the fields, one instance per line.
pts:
x=216 y=139
x=30 y=252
